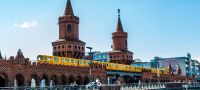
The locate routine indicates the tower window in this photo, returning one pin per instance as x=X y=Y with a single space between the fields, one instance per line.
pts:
x=79 y=47
x=69 y=46
x=82 y=48
x=69 y=28
x=58 y=47
x=63 y=46
x=54 y=48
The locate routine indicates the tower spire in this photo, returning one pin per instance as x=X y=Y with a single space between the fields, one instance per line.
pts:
x=68 y=9
x=119 y=24
x=178 y=70
x=170 y=68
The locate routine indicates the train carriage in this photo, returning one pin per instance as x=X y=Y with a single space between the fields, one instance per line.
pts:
x=85 y=63
x=45 y=59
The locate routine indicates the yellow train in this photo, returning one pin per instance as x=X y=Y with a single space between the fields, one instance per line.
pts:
x=85 y=63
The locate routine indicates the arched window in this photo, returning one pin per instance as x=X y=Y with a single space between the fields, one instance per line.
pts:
x=69 y=28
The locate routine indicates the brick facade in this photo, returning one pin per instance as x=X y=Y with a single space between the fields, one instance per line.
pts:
x=23 y=71
x=120 y=53
x=68 y=44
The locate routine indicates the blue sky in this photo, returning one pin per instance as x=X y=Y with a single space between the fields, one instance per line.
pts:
x=165 y=28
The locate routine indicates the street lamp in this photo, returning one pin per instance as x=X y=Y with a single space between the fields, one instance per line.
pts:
x=90 y=63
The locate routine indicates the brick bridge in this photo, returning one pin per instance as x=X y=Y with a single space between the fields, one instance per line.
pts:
x=23 y=70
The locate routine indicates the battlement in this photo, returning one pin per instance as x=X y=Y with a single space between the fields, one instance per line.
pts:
x=119 y=34
x=68 y=19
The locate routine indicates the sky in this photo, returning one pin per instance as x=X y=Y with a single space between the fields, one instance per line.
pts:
x=164 y=28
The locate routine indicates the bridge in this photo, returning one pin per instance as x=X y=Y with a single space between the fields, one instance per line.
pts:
x=64 y=71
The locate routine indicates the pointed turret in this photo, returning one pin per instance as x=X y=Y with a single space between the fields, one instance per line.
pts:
x=69 y=36
x=68 y=9
x=1 y=55
x=19 y=52
x=119 y=24
x=120 y=53
x=170 y=68
x=178 y=70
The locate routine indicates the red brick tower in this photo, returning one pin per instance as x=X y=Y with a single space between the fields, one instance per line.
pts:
x=68 y=44
x=120 y=53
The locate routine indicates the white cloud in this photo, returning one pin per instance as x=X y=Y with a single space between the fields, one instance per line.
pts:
x=198 y=59
x=26 y=25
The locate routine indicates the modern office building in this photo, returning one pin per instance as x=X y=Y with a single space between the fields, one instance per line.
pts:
x=188 y=66
x=98 y=56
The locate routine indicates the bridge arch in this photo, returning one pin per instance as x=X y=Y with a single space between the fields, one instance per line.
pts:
x=3 y=80
x=36 y=78
x=79 y=80
x=71 y=79
x=19 y=79
x=63 y=80
x=86 y=80
x=46 y=78
x=54 y=78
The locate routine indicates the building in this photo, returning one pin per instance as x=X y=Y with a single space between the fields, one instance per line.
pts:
x=120 y=53
x=98 y=56
x=101 y=56
x=188 y=66
x=22 y=70
x=142 y=64
x=69 y=44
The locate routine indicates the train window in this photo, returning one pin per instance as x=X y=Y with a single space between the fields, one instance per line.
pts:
x=66 y=60
x=40 y=57
x=62 y=59
x=81 y=62
x=49 y=59
x=76 y=61
x=84 y=62
x=55 y=59
x=45 y=58
x=72 y=61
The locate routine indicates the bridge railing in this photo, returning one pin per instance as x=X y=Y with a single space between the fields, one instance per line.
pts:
x=132 y=86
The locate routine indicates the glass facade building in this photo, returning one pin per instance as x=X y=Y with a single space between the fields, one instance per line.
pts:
x=188 y=66
x=98 y=56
